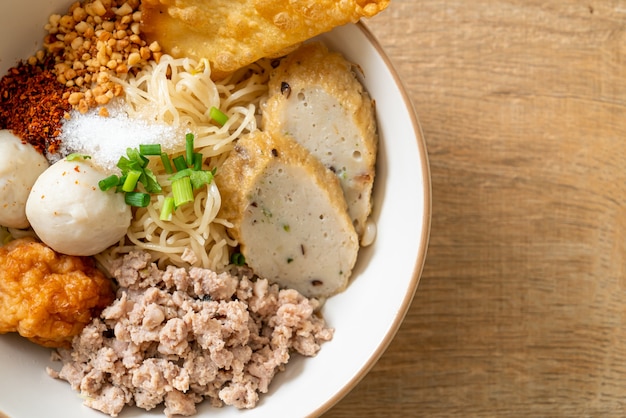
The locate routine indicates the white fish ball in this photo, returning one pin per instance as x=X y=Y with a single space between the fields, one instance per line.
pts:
x=20 y=165
x=70 y=213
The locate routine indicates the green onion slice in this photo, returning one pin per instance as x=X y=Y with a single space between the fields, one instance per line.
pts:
x=182 y=191
x=138 y=199
x=130 y=183
x=76 y=156
x=200 y=178
x=150 y=149
x=189 y=148
x=167 y=209
x=237 y=259
x=109 y=182
x=218 y=116
x=186 y=172
x=180 y=163
x=197 y=161
x=167 y=164
x=136 y=157
x=150 y=182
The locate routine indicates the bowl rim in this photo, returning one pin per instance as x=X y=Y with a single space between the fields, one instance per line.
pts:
x=424 y=238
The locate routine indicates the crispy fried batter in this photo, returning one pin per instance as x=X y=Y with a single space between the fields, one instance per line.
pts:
x=234 y=33
x=48 y=297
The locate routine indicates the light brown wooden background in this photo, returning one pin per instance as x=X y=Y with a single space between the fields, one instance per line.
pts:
x=521 y=309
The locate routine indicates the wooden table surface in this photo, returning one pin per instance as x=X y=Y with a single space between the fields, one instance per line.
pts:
x=521 y=308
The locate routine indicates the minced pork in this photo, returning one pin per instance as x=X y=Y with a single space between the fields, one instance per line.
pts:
x=178 y=336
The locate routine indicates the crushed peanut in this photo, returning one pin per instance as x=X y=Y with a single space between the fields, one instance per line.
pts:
x=95 y=40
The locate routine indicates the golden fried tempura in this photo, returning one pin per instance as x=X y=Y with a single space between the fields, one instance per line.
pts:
x=234 y=33
x=48 y=297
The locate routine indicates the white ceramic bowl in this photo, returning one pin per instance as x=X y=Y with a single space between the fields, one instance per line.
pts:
x=366 y=316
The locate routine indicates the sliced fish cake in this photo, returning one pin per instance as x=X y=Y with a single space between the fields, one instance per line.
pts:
x=315 y=98
x=289 y=215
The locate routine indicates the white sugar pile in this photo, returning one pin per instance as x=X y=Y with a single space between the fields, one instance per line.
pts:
x=106 y=139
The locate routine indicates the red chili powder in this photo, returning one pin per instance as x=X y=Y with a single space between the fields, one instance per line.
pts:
x=32 y=105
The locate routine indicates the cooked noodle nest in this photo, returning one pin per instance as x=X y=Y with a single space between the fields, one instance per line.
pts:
x=180 y=92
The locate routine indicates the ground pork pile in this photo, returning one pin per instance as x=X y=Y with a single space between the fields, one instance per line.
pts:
x=178 y=336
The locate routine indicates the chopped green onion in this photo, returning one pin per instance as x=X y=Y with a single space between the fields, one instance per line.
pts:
x=130 y=183
x=126 y=164
x=197 y=161
x=186 y=172
x=218 y=116
x=121 y=183
x=237 y=259
x=150 y=149
x=167 y=209
x=109 y=182
x=137 y=199
x=136 y=157
x=75 y=156
x=180 y=163
x=167 y=164
x=150 y=182
x=182 y=191
x=189 y=148
x=200 y=178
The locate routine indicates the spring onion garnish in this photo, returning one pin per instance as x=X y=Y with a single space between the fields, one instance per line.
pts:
x=134 y=172
x=137 y=199
x=109 y=182
x=218 y=116
x=182 y=191
x=237 y=259
x=180 y=163
x=167 y=209
x=186 y=172
x=197 y=161
x=135 y=160
x=76 y=156
x=200 y=178
x=167 y=164
x=150 y=149
x=189 y=148
x=130 y=183
x=138 y=182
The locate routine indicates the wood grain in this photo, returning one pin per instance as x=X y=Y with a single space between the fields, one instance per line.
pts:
x=521 y=309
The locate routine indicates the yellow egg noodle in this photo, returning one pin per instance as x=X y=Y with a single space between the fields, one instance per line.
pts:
x=180 y=92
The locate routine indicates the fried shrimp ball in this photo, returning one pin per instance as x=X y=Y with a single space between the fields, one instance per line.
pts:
x=48 y=297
